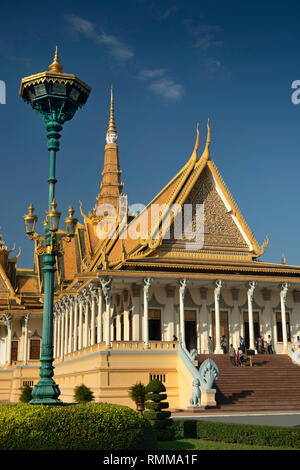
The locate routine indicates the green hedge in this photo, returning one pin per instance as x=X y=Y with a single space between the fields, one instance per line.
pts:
x=257 y=435
x=184 y=428
x=93 y=426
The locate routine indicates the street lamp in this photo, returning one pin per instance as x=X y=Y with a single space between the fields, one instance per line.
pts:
x=55 y=96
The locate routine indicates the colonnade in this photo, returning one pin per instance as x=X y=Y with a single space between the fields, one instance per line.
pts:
x=73 y=314
x=84 y=319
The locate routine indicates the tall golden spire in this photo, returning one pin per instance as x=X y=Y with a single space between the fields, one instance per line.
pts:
x=111 y=185
x=111 y=135
x=56 y=66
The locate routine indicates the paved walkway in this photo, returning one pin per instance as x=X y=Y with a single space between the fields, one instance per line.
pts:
x=289 y=418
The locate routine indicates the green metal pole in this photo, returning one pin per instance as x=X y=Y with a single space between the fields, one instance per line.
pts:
x=46 y=391
x=54 y=128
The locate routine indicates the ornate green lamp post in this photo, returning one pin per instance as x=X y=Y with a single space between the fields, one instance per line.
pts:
x=56 y=96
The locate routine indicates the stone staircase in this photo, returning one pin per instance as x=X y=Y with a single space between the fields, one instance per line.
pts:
x=271 y=384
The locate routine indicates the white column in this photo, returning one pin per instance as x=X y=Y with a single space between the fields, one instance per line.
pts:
x=75 y=333
x=62 y=332
x=67 y=313
x=54 y=331
x=99 y=317
x=58 y=315
x=8 y=324
x=71 y=314
x=218 y=349
x=93 y=294
x=283 y=294
x=86 y=325
x=182 y=291
x=80 y=323
x=25 y=349
x=147 y=284
x=126 y=324
x=252 y=286
x=106 y=288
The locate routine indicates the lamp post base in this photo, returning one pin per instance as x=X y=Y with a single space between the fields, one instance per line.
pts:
x=46 y=392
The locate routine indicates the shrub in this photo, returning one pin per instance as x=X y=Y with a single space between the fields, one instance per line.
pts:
x=83 y=394
x=91 y=426
x=249 y=434
x=160 y=420
x=137 y=393
x=26 y=394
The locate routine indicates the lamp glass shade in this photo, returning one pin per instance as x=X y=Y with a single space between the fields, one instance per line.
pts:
x=71 y=222
x=30 y=220
x=53 y=217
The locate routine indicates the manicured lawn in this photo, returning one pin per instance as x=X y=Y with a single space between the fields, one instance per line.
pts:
x=198 y=444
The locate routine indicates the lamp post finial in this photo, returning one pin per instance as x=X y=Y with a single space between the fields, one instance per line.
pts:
x=56 y=65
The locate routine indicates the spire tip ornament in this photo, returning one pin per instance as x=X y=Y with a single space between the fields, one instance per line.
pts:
x=111 y=135
x=56 y=66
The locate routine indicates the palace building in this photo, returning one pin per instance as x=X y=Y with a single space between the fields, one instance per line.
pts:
x=130 y=288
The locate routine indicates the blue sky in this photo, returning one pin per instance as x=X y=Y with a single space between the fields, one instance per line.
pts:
x=172 y=64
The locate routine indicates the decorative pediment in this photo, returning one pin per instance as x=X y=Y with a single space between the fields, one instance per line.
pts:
x=188 y=300
x=255 y=306
x=224 y=237
x=35 y=335
x=278 y=308
x=222 y=304
x=153 y=302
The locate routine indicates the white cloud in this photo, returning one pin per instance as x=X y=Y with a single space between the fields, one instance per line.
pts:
x=114 y=46
x=204 y=34
x=168 y=89
x=169 y=12
x=81 y=26
x=151 y=73
x=161 y=84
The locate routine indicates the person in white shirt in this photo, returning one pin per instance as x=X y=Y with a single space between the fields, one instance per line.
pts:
x=270 y=345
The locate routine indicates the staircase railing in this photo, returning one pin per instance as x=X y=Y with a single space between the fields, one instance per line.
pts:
x=203 y=378
x=295 y=358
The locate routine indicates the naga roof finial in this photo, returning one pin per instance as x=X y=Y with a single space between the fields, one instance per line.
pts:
x=206 y=153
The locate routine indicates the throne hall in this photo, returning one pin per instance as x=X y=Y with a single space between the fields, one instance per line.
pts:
x=125 y=301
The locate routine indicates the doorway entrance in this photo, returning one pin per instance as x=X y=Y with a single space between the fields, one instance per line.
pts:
x=190 y=326
x=154 y=325
x=14 y=350
x=256 y=327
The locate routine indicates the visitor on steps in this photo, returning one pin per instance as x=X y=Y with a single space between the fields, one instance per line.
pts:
x=232 y=355
x=224 y=344
x=242 y=344
x=239 y=357
x=270 y=345
x=261 y=345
